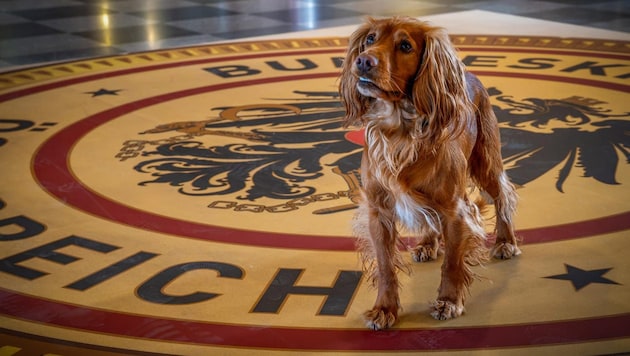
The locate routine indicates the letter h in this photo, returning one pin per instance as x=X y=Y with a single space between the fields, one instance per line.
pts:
x=338 y=296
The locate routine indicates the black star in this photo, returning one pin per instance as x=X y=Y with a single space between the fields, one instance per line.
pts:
x=103 y=92
x=581 y=278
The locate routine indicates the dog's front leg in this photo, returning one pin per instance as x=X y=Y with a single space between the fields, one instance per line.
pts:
x=464 y=247
x=383 y=236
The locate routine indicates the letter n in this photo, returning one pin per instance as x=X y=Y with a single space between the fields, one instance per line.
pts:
x=338 y=297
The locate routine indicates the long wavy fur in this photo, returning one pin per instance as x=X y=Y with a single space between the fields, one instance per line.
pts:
x=429 y=132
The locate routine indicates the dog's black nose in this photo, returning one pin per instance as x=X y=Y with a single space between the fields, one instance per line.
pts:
x=365 y=62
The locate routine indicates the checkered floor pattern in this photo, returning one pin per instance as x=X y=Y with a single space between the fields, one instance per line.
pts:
x=35 y=31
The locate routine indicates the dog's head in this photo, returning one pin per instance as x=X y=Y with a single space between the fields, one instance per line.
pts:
x=402 y=58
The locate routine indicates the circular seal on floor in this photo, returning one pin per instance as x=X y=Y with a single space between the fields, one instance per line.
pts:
x=200 y=200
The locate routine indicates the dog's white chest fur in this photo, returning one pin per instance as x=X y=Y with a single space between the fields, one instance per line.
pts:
x=392 y=148
x=413 y=216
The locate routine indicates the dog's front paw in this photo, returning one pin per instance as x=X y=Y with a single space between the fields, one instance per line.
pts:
x=443 y=310
x=424 y=253
x=380 y=318
x=505 y=251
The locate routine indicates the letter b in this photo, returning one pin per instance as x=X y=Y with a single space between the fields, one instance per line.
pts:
x=232 y=71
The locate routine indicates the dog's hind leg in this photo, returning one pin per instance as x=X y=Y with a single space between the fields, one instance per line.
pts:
x=486 y=169
x=495 y=183
x=428 y=248
x=499 y=188
x=504 y=196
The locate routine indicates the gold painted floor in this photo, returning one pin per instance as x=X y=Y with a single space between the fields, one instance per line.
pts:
x=198 y=201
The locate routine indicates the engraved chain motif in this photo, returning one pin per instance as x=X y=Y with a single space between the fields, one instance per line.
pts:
x=290 y=205
x=352 y=178
x=133 y=148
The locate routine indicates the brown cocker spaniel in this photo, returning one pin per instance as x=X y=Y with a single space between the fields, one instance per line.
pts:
x=430 y=134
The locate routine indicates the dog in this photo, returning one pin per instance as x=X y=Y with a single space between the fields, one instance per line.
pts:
x=430 y=133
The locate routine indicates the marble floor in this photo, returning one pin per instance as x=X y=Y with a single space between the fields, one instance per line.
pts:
x=33 y=31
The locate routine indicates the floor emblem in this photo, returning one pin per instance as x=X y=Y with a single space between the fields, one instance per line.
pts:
x=199 y=200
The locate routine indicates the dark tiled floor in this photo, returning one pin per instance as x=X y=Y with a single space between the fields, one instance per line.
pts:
x=33 y=31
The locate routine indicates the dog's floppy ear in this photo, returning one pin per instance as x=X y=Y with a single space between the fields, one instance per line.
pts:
x=439 y=91
x=355 y=104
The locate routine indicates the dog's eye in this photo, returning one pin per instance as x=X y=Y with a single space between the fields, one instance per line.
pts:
x=406 y=46
x=370 y=39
